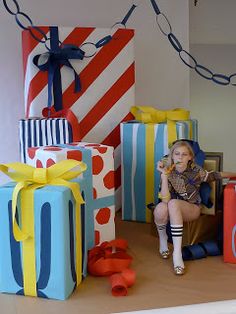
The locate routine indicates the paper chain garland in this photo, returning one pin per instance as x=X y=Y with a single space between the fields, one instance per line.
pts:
x=162 y=22
x=37 y=33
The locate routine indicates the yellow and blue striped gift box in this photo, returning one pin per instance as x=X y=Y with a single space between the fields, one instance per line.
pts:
x=142 y=145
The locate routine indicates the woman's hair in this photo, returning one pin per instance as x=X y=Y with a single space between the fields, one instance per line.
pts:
x=177 y=144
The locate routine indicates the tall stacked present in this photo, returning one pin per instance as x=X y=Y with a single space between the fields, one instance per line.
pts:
x=40 y=230
x=96 y=184
x=143 y=143
x=106 y=78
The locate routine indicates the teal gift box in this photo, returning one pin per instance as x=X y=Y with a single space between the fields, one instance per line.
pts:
x=142 y=146
x=57 y=253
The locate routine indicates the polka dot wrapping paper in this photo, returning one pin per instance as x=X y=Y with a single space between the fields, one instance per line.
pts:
x=96 y=183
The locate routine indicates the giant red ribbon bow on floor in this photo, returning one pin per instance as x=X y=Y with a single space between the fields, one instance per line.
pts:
x=111 y=259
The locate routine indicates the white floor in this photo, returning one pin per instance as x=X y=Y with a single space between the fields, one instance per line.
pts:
x=222 y=307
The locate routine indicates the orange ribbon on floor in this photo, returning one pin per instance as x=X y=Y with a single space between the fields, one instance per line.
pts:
x=120 y=282
x=111 y=259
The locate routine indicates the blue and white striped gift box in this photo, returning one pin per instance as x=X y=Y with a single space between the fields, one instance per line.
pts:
x=42 y=132
x=140 y=179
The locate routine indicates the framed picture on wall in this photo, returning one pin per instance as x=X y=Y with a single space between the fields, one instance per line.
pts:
x=218 y=157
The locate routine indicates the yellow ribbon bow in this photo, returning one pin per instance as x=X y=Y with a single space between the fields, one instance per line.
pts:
x=28 y=180
x=147 y=114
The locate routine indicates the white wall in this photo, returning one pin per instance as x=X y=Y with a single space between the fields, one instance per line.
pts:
x=213 y=44
x=212 y=22
x=161 y=78
x=214 y=105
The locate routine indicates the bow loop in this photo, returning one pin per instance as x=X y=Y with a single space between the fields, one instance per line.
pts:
x=145 y=114
x=40 y=176
x=52 y=60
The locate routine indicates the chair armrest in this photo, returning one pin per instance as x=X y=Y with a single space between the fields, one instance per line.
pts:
x=210 y=165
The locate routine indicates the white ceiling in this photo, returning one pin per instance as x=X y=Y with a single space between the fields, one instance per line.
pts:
x=212 y=22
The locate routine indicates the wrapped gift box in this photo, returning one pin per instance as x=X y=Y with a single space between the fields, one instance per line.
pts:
x=39 y=132
x=142 y=146
x=55 y=243
x=229 y=223
x=97 y=188
x=107 y=84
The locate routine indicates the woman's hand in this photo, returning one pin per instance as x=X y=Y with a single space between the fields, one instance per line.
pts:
x=161 y=167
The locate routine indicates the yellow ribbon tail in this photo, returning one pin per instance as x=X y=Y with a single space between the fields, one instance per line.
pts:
x=28 y=245
x=19 y=235
x=150 y=139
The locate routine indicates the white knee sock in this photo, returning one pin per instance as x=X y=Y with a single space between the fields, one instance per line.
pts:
x=161 y=229
x=177 y=234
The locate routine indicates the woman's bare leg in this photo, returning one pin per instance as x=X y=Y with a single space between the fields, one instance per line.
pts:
x=161 y=218
x=180 y=211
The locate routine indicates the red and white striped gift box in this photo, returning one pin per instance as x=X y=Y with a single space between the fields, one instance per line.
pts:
x=107 y=81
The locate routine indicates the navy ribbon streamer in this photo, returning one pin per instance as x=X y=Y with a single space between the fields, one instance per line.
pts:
x=55 y=58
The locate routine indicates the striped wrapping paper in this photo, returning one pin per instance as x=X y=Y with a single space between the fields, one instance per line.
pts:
x=107 y=81
x=142 y=146
x=42 y=132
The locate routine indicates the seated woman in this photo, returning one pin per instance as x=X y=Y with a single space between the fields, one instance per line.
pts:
x=181 y=201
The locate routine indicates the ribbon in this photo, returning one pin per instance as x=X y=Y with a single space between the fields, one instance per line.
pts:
x=108 y=258
x=51 y=62
x=120 y=282
x=70 y=117
x=111 y=259
x=28 y=180
x=147 y=114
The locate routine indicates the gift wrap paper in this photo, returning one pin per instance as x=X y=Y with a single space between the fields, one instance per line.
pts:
x=230 y=223
x=142 y=146
x=96 y=183
x=54 y=229
x=107 y=84
x=40 y=132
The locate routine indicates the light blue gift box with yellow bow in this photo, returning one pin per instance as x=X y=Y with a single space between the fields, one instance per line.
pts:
x=144 y=142
x=40 y=237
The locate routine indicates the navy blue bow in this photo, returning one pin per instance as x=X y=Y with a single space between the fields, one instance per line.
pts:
x=51 y=62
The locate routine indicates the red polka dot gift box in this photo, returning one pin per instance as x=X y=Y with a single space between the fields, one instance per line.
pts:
x=96 y=183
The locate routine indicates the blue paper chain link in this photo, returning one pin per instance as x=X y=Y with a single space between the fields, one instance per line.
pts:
x=162 y=22
x=166 y=29
x=25 y=22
